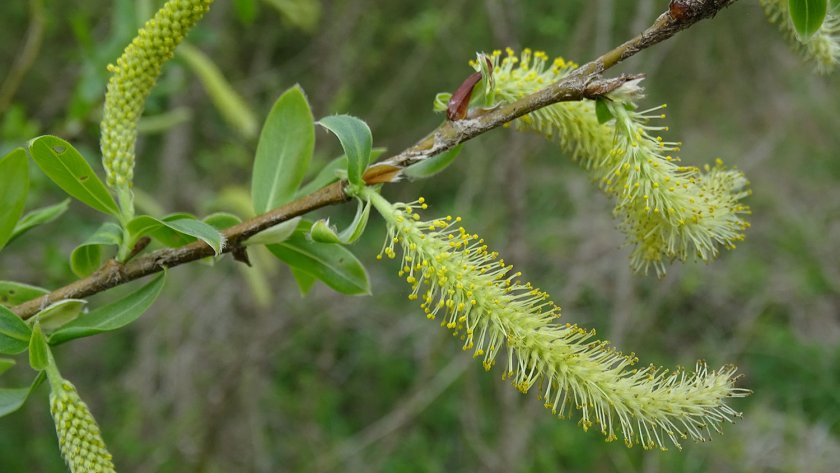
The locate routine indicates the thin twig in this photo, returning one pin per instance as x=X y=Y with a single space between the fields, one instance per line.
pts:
x=583 y=83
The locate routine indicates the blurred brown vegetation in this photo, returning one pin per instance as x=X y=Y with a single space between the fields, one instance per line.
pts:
x=232 y=371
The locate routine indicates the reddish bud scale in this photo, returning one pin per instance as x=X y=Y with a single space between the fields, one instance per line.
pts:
x=456 y=109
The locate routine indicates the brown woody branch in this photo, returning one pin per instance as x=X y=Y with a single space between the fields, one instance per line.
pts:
x=583 y=83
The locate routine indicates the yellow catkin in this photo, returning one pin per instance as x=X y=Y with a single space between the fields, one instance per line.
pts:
x=79 y=438
x=132 y=79
x=473 y=293
x=668 y=211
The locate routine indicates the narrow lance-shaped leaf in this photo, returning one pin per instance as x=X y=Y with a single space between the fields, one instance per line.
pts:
x=807 y=16
x=112 y=316
x=333 y=264
x=11 y=399
x=286 y=144
x=175 y=230
x=14 y=333
x=68 y=169
x=201 y=230
x=38 y=217
x=87 y=257
x=356 y=140
x=14 y=185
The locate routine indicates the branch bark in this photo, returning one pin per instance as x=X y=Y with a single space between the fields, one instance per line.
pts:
x=583 y=83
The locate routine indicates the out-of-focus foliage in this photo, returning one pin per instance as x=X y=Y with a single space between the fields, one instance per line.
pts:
x=212 y=379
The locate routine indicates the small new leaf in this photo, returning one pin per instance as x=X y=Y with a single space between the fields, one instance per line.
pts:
x=87 y=257
x=68 y=170
x=602 y=111
x=356 y=140
x=112 y=316
x=14 y=185
x=285 y=148
x=14 y=333
x=807 y=16
x=323 y=232
x=39 y=351
x=60 y=313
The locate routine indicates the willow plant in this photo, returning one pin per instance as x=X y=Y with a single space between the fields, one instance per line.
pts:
x=669 y=211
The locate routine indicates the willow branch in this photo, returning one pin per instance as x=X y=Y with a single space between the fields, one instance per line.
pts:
x=583 y=83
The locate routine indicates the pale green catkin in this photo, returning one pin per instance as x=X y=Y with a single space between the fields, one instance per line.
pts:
x=668 y=211
x=79 y=438
x=132 y=79
x=473 y=293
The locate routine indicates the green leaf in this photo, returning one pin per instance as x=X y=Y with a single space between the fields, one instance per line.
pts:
x=285 y=148
x=14 y=293
x=357 y=227
x=14 y=333
x=11 y=399
x=834 y=6
x=175 y=230
x=87 y=257
x=68 y=169
x=39 y=351
x=356 y=140
x=323 y=232
x=39 y=217
x=807 y=16
x=276 y=234
x=435 y=164
x=203 y=231
x=222 y=220
x=6 y=364
x=333 y=264
x=60 y=313
x=602 y=111
x=305 y=281
x=14 y=185
x=112 y=316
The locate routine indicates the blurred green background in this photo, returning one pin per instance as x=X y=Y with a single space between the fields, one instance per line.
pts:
x=232 y=371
